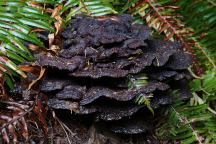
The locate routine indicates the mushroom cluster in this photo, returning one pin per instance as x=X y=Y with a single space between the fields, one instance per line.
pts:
x=106 y=63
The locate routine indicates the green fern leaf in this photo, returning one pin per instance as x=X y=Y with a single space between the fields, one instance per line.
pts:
x=17 y=20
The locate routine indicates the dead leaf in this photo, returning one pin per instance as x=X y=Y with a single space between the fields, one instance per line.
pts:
x=32 y=69
x=102 y=18
x=37 y=30
x=56 y=15
x=2 y=68
x=48 y=10
x=35 y=5
x=33 y=47
x=42 y=71
x=40 y=111
x=56 y=11
x=54 y=48
x=41 y=50
x=51 y=38
x=58 y=24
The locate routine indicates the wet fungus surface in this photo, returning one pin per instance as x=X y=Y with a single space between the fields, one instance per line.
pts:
x=97 y=60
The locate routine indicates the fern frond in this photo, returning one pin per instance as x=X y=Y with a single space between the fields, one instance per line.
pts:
x=97 y=7
x=159 y=17
x=201 y=16
x=145 y=100
x=141 y=99
x=193 y=121
x=137 y=81
x=91 y=7
x=17 y=21
x=15 y=118
x=164 y=17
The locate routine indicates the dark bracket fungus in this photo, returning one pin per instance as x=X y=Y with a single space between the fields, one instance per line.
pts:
x=70 y=105
x=120 y=95
x=50 y=85
x=179 y=61
x=160 y=75
x=74 y=92
x=134 y=125
x=61 y=63
x=97 y=57
x=117 y=112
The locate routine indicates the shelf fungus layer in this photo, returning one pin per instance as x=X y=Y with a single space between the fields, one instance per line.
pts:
x=104 y=65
